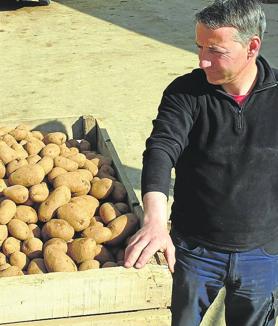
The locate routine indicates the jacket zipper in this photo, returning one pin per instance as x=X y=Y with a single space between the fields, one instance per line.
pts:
x=240 y=119
x=240 y=110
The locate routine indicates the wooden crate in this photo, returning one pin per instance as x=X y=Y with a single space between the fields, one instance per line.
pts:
x=110 y=296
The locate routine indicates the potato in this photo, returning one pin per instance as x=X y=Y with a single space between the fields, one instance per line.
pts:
x=78 y=211
x=33 y=159
x=21 y=152
x=77 y=184
x=65 y=151
x=91 y=166
x=36 y=266
x=3 y=234
x=58 y=228
x=37 y=134
x=65 y=163
x=4 y=266
x=17 y=193
x=8 y=139
x=79 y=158
x=32 y=248
x=103 y=254
x=102 y=188
x=106 y=169
x=34 y=146
x=84 y=145
x=86 y=174
x=2 y=169
x=35 y=231
x=39 y=193
x=19 y=259
x=82 y=249
x=7 y=211
x=52 y=150
x=15 y=164
x=108 y=212
x=57 y=198
x=7 y=154
x=89 y=264
x=3 y=185
x=47 y=164
x=96 y=220
x=18 y=229
x=123 y=208
x=55 y=172
x=99 y=160
x=119 y=192
x=11 y=271
x=19 y=133
x=56 y=260
x=58 y=138
x=5 y=130
x=121 y=227
x=3 y=259
x=10 y=245
x=57 y=243
x=72 y=143
x=27 y=175
x=90 y=155
x=26 y=214
x=99 y=233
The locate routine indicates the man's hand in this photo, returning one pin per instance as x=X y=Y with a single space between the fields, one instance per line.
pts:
x=146 y=242
x=153 y=236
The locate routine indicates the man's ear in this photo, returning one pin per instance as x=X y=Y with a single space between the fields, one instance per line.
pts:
x=254 y=46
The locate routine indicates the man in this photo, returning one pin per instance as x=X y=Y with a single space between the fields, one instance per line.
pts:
x=218 y=126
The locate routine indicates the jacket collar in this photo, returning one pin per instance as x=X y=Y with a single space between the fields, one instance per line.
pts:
x=266 y=77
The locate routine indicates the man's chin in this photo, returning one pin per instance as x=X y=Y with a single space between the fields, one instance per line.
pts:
x=215 y=81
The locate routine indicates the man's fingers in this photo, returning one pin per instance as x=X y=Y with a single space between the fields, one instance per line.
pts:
x=146 y=254
x=133 y=252
x=170 y=257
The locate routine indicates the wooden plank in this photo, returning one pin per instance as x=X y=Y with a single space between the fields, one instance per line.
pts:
x=152 y=317
x=90 y=130
x=54 y=295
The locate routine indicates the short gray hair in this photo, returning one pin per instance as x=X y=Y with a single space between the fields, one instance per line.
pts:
x=247 y=16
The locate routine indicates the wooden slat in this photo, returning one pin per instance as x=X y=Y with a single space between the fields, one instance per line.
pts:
x=153 y=317
x=53 y=295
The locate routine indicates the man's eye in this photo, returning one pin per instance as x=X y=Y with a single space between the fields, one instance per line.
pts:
x=215 y=51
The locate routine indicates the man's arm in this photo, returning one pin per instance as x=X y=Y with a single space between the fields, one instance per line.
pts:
x=153 y=235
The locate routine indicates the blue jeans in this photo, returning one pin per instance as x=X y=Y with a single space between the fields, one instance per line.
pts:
x=250 y=279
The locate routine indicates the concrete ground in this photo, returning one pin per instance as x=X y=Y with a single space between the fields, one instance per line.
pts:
x=111 y=59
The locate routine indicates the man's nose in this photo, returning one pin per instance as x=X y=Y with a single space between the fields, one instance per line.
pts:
x=204 y=63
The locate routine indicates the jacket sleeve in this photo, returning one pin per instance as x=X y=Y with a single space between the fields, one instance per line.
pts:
x=167 y=141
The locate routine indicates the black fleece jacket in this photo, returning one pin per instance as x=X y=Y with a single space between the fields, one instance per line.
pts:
x=225 y=158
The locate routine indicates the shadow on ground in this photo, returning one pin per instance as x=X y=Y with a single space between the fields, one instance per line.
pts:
x=8 y=5
x=161 y=20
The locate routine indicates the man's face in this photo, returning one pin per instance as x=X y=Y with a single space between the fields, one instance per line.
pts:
x=223 y=59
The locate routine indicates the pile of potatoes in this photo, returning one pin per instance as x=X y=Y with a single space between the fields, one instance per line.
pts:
x=61 y=207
